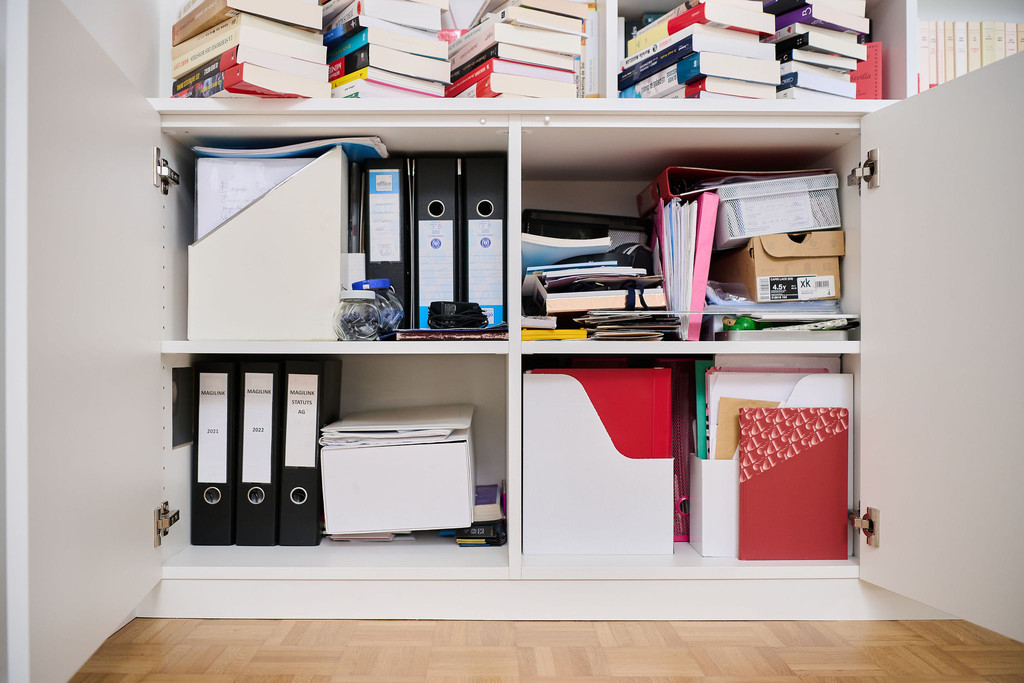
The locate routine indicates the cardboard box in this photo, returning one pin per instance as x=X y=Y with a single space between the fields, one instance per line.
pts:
x=787 y=267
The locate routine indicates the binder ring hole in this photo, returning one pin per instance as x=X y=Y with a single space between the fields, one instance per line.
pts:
x=298 y=495
x=484 y=208
x=256 y=495
x=435 y=208
x=212 y=495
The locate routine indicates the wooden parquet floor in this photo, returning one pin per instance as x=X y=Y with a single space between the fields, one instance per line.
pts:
x=511 y=652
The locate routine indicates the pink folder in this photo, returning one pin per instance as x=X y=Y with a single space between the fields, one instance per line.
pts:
x=707 y=213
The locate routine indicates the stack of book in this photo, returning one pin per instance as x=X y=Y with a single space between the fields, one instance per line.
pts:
x=703 y=48
x=488 y=527
x=525 y=48
x=238 y=48
x=385 y=48
x=818 y=43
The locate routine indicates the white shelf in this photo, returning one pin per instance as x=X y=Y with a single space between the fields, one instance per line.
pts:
x=403 y=348
x=430 y=556
x=634 y=348
x=684 y=563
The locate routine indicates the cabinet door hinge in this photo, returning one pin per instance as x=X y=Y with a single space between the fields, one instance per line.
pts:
x=163 y=175
x=866 y=172
x=868 y=524
x=163 y=518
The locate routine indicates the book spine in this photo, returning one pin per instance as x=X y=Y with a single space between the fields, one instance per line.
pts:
x=793 y=43
x=351 y=44
x=490 y=53
x=202 y=53
x=470 y=79
x=689 y=69
x=960 y=47
x=479 y=43
x=655 y=63
x=659 y=84
x=191 y=24
x=973 y=45
x=350 y=63
x=949 y=50
x=211 y=85
x=346 y=15
x=933 y=55
x=199 y=74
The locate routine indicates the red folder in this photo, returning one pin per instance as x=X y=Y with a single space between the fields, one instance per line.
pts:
x=793 y=487
x=634 y=404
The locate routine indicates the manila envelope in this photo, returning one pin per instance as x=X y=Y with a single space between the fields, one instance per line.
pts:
x=728 y=440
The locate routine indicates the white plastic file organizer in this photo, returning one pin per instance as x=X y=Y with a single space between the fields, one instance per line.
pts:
x=768 y=207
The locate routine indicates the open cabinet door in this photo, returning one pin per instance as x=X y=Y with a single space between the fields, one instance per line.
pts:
x=942 y=368
x=83 y=310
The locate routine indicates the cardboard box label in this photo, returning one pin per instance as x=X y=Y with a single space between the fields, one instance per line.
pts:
x=795 y=287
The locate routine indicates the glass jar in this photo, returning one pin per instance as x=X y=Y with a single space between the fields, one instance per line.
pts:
x=391 y=309
x=357 y=316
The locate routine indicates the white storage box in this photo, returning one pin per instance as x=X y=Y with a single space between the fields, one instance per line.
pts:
x=405 y=487
x=770 y=207
x=714 y=506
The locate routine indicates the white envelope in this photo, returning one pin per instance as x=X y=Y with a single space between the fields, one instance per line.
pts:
x=580 y=494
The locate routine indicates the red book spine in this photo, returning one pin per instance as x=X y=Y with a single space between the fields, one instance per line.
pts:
x=472 y=78
x=229 y=59
x=696 y=88
x=868 y=74
x=483 y=88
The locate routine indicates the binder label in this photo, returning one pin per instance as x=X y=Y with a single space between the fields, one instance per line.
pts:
x=436 y=264
x=257 y=426
x=385 y=209
x=212 y=457
x=300 y=422
x=486 y=266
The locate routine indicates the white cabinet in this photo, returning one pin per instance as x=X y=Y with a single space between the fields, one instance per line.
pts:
x=94 y=292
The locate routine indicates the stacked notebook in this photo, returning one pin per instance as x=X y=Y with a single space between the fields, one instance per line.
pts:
x=239 y=48
x=521 y=49
x=818 y=43
x=703 y=48
x=385 y=48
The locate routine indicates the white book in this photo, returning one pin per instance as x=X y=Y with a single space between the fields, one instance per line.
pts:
x=824 y=72
x=696 y=30
x=752 y=5
x=923 y=80
x=820 y=83
x=824 y=40
x=406 y=63
x=794 y=29
x=940 y=52
x=795 y=93
x=364 y=89
x=561 y=43
x=823 y=59
x=960 y=47
x=1010 y=43
x=417 y=15
x=427 y=47
x=378 y=75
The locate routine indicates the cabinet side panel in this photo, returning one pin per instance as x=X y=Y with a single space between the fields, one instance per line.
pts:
x=93 y=342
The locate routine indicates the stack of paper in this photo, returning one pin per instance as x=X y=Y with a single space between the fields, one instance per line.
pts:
x=402 y=469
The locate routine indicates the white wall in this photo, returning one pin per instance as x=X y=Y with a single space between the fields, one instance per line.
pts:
x=127 y=31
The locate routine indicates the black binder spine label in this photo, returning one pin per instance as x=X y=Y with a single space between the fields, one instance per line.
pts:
x=486 y=265
x=436 y=264
x=301 y=415
x=384 y=193
x=212 y=447
x=257 y=431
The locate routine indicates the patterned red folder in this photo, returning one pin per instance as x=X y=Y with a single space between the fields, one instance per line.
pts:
x=793 y=483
